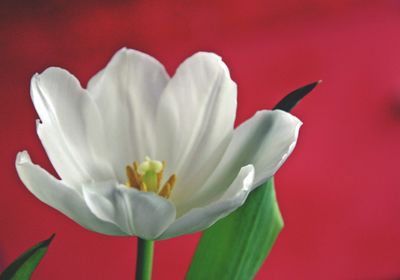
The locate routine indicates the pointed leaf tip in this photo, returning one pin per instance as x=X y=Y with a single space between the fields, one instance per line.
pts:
x=48 y=241
x=23 y=267
x=291 y=100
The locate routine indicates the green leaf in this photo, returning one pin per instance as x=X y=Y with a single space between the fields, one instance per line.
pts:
x=236 y=246
x=23 y=267
x=291 y=100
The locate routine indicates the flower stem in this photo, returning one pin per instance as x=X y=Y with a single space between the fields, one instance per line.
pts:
x=144 y=259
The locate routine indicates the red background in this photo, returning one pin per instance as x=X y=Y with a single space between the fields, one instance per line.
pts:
x=339 y=192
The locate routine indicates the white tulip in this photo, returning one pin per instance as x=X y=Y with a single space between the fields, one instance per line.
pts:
x=140 y=153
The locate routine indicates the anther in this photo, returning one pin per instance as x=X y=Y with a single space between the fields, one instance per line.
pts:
x=166 y=191
x=168 y=186
x=132 y=179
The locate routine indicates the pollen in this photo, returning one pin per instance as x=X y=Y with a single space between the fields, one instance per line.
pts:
x=148 y=176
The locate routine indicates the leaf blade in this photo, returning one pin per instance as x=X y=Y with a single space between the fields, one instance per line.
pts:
x=291 y=100
x=245 y=261
x=23 y=267
x=259 y=216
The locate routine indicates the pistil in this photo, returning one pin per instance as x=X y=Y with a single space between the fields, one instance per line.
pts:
x=148 y=175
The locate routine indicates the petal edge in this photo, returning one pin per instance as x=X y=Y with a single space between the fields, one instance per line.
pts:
x=60 y=196
x=203 y=217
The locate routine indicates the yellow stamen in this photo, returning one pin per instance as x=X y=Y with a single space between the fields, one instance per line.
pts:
x=132 y=180
x=143 y=187
x=136 y=176
x=135 y=165
x=166 y=191
x=172 y=180
x=147 y=177
x=168 y=186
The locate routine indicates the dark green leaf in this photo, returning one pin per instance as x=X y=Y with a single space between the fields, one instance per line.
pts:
x=23 y=267
x=236 y=246
x=290 y=100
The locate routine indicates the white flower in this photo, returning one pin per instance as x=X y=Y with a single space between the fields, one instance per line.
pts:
x=140 y=153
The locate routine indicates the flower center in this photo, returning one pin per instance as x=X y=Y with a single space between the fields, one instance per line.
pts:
x=147 y=177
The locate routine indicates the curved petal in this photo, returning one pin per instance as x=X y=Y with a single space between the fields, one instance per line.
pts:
x=60 y=196
x=265 y=141
x=195 y=120
x=144 y=214
x=70 y=129
x=201 y=218
x=127 y=93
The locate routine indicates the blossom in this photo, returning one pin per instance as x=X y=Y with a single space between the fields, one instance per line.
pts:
x=141 y=153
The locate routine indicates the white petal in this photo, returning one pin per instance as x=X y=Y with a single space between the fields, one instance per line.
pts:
x=127 y=93
x=60 y=196
x=71 y=131
x=144 y=214
x=265 y=141
x=195 y=120
x=201 y=218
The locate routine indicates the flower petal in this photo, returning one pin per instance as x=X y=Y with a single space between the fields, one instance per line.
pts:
x=127 y=93
x=201 y=218
x=60 y=196
x=265 y=141
x=144 y=214
x=195 y=120
x=69 y=122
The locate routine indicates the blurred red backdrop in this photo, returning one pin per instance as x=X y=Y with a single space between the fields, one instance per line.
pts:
x=339 y=192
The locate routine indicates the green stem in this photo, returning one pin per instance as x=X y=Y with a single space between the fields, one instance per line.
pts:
x=144 y=259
